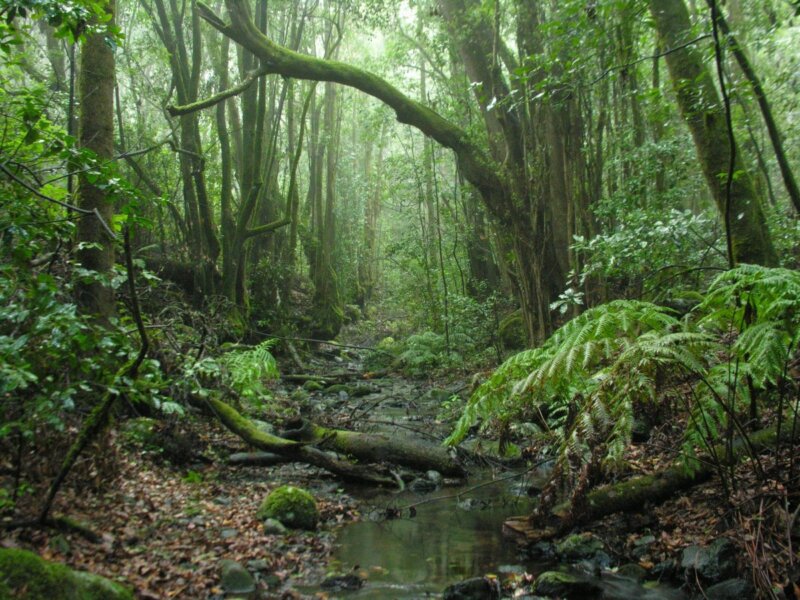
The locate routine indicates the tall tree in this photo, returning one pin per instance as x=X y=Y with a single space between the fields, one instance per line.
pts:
x=96 y=133
x=704 y=112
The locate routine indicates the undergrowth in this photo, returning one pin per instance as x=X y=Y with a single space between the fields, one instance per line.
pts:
x=585 y=382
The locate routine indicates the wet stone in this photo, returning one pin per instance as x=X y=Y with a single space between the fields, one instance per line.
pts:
x=710 y=564
x=478 y=588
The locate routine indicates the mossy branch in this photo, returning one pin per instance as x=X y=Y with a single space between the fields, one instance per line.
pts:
x=266 y=228
x=177 y=111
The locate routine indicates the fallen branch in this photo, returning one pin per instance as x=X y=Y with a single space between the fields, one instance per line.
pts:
x=632 y=494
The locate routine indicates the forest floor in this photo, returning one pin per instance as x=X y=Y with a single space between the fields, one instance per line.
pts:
x=165 y=529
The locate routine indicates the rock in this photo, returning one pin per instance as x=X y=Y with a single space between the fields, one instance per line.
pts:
x=274 y=527
x=292 y=506
x=632 y=571
x=642 y=545
x=665 y=570
x=422 y=485
x=26 y=576
x=542 y=549
x=567 y=585
x=579 y=546
x=640 y=430
x=731 y=589
x=341 y=583
x=478 y=588
x=235 y=579
x=229 y=533
x=711 y=564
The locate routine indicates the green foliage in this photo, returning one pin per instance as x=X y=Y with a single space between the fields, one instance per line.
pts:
x=589 y=375
x=243 y=371
x=648 y=254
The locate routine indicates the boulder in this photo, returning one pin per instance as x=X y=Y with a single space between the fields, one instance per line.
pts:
x=292 y=506
x=478 y=588
x=711 y=564
x=341 y=583
x=26 y=576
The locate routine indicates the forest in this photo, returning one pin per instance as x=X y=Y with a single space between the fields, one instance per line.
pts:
x=461 y=299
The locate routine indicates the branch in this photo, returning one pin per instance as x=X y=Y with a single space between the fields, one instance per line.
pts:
x=477 y=166
x=667 y=52
x=262 y=229
x=186 y=109
x=77 y=209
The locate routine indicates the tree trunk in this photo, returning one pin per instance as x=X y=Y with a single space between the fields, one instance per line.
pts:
x=705 y=115
x=377 y=447
x=96 y=93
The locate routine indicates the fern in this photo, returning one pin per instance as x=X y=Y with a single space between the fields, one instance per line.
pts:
x=247 y=370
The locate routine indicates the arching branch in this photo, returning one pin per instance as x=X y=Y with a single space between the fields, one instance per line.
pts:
x=477 y=166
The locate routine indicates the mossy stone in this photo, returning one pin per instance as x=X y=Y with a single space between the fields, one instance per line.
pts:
x=312 y=386
x=26 y=576
x=578 y=546
x=235 y=579
x=566 y=585
x=292 y=506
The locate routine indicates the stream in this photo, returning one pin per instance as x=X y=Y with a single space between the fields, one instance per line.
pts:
x=454 y=532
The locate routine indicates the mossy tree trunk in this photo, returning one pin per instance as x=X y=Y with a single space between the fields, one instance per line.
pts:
x=704 y=113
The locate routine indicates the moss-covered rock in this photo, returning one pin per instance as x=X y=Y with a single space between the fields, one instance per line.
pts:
x=292 y=506
x=511 y=331
x=26 y=576
x=579 y=546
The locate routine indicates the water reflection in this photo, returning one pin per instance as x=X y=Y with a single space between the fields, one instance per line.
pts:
x=442 y=544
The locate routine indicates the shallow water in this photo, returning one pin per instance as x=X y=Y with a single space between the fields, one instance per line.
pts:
x=410 y=557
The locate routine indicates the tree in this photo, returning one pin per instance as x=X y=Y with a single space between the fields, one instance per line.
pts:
x=96 y=93
x=704 y=113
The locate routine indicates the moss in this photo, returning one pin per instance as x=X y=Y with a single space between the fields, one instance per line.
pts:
x=312 y=386
x=566 y=585
x=292 y=506
x=26 y=576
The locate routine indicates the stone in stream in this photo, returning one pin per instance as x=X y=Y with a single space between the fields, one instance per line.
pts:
x=567 y=585
x=477 y=588
x=235 y=579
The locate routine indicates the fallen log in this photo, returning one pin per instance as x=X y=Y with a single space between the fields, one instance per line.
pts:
x=632 y=494
x=377 y=447
x=294 y=450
